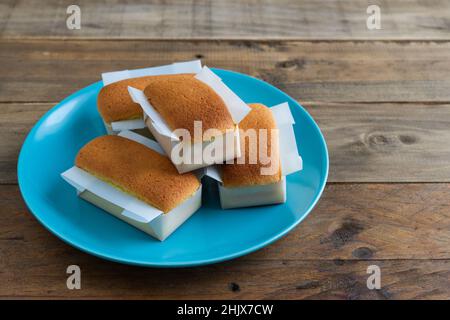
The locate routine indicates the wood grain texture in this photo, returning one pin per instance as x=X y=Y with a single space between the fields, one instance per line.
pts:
x=255 y=19
x=16 y=120
x=385 y=142
x=352 y=221
x=410 y=279
x=354 y=226
x=383 y=106
x=407 y=142
x=47 y=71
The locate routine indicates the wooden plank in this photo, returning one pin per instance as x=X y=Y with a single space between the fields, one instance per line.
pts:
x=47 y=71
x=351 y=222
x=407 y=143
x=378 y=220
x=401 y=279
x=16 y=120
x=385 y=142
x=256 y=19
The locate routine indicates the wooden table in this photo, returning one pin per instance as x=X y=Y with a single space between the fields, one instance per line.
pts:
x=381 y=98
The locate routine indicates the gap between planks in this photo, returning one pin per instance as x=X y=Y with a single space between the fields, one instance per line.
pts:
x=261 y=40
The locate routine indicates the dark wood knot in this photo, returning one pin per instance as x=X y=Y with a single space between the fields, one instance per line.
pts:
x=345 y=233
x=407 y=139
x=234 y=287
x=292 y=64
x=362 y=253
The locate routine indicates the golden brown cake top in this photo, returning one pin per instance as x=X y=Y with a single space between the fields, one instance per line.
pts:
x=242 y=174
x=114 y=102
x=182 y=100
x=137 y=170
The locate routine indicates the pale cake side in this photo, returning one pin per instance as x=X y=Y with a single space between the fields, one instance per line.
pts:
x=114 y=102
x=138 y=171
x=246 y=174
x=182 y=100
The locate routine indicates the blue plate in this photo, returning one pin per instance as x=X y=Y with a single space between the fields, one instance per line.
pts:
x=210 y=235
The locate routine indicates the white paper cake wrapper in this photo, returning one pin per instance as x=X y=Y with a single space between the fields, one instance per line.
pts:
x=118 y=126
x=134 y=208
x=290 y=160
x=142 y=140
x=237 y=108
x=252 y=196
x=154 y=146
x=160 y=124
x=194 y=66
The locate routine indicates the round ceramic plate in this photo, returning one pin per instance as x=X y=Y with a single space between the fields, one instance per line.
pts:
x=210 y=235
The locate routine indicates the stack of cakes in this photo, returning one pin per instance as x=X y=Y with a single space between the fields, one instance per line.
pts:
x=169 y=127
